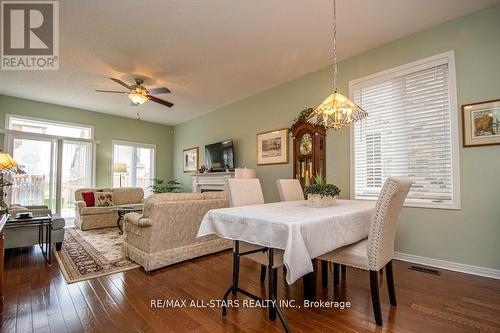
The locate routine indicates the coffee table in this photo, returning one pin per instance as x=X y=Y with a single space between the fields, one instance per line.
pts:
x=44 y=224
x=122 y=210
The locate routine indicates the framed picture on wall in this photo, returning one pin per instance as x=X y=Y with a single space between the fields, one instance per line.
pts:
x=190 y=159
x=272 y=147
x=481 y=123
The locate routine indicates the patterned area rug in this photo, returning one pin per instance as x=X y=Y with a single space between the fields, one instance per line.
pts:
x=93 y=253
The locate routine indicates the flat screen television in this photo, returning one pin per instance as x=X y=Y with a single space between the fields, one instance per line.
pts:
x=219 y=156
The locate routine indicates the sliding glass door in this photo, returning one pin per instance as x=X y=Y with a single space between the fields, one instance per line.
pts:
x=58 y=159
x=38 y=159
x=76 y=172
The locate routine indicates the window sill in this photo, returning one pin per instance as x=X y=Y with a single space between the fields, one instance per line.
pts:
x=425 y=205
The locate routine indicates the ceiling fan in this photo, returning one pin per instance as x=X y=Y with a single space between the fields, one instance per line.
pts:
x=138 y=94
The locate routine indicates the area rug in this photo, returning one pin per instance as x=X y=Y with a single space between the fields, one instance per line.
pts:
x=89 y=254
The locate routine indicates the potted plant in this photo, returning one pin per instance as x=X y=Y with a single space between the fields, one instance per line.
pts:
x=159 y=187
x=320 y=194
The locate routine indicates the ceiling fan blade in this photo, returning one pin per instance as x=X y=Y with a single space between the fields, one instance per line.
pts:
x=112 y=91
x=121 y=83
x=160 y=101
x=157 y=91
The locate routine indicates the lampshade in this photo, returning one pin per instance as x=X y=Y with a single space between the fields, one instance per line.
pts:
x=8 y=165
x=245 y=173
x=137 y=98
x=337 y=111
x=120 y=167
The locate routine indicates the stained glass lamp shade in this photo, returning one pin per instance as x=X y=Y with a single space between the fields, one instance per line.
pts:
x=337 y=111
x=8 y=165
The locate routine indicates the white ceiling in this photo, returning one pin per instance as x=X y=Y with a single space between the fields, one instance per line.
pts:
x=210 y=52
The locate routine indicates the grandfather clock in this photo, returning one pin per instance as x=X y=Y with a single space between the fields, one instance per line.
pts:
x=309 y=151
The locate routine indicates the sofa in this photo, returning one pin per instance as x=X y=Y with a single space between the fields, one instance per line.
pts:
x=28 y=236
x=165 y=232
x=87 y=218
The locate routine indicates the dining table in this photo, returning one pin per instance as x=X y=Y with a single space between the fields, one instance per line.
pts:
x=301 y=231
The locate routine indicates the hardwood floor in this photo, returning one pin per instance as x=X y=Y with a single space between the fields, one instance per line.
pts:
x=37 y=298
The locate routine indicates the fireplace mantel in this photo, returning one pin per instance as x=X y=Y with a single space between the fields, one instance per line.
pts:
x=213 y=181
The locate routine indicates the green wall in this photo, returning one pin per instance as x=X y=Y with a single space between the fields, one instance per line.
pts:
x=106 y=128
x=469 y=235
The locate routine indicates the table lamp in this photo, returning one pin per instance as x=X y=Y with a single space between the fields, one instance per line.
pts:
x=7 y=166
x=120 y=168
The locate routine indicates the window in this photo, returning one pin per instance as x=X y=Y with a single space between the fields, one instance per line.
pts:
x=411 y=131
x=139 y=160
x=45 y=127
x=58 y=158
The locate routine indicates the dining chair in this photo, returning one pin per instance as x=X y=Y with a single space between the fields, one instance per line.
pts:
x=290 y=190
x=377 y=251
x=245 y=192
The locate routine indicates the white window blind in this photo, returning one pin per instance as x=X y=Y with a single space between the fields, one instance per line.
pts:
x=408 y=133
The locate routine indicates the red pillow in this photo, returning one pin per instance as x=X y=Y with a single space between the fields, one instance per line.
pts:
x=88 y=197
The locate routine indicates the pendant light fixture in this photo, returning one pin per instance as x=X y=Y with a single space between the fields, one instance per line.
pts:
x=337 y=111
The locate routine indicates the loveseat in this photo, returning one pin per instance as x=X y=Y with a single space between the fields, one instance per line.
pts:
x=165 y=232
x=102 y=217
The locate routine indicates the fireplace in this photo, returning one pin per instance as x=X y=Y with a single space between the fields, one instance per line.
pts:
x=209 y=182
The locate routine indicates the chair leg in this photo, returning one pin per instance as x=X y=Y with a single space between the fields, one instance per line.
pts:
x=263 y=269
x=375 y=297
x=324 y=273
x=336 y=275
x=343 y=269
x=236 y=266
x=390 y=283
x=275 y=280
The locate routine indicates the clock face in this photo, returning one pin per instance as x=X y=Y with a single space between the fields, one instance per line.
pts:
x=305 y=146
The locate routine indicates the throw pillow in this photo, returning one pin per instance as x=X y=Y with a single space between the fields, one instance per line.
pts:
x=103 y=199
x=88 y=197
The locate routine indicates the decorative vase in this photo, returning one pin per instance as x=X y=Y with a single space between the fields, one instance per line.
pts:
x=317 y=201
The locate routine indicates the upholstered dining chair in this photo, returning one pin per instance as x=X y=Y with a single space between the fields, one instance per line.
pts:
x=376 y=251
x=290 y=190
x=245 y=192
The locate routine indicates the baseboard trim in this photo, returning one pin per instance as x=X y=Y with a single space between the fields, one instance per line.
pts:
x=449 y=265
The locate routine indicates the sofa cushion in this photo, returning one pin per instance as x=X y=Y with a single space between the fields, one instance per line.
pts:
x=103 y=199
x=127 y=195
x=88 y=197
x=97 y=210
x=78 y=193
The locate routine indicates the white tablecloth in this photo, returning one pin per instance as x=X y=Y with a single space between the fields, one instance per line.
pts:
x=302 y=232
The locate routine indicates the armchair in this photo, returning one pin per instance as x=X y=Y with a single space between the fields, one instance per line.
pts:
x=21 y=237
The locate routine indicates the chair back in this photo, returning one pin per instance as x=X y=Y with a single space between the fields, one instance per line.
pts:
x=290 y=190
x=383 y=226
x=244 y=192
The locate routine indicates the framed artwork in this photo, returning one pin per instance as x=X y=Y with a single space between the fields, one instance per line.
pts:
x=190 y=159
x=272 y=147
x=481 y=123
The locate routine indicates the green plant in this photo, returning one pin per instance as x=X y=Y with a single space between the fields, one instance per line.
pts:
x=158 y=186
x=322 y=188
x=303 y=115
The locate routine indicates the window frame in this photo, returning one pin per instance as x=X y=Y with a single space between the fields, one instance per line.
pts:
x=136 y=145
x=9 y=116
x=422 y=64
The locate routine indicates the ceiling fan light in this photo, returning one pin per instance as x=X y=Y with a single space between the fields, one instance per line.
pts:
x=137 y=99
